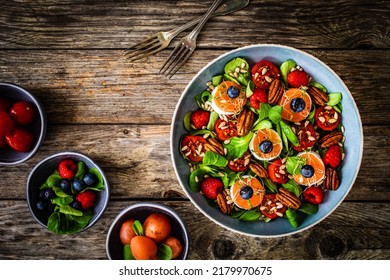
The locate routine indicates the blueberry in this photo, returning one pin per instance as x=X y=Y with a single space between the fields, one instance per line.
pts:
x=246 y=192
x=89 y=179
x=65 y=185
x=41 y=204
x=233 y=92
x=49 y=194
x=41 y=194
x=297 y=104
x=307 y=171
x=78 y=185
x=76 y=205
x=266 y=146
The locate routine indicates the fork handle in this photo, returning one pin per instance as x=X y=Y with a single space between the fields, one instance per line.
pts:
x=194 y=33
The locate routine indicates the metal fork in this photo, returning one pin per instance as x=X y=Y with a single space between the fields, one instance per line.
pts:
x=186 y=46
x=161 y=40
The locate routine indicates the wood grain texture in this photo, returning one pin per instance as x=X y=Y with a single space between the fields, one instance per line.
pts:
x=118 y=24
x=348 y=233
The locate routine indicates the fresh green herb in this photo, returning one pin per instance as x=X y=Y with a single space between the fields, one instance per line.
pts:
x=334 y=98
x=67 y=223
x=82 y=169
x=308 y=208
x=213 y=118
x=293 y=187
x=214 y=159
x=230 y=67
x=271 y=186
x=318 y=85
x=285 y=68
x=263 y=111
x=164 y=252
x=195 y=177
x=216 y=80
x=187 y=121
x=291 y=215
x=202 y=98
x=238 y=146
x=137 y=228
x=127 y=254
x=294 y=164
x=262 y=124
x=250 y=216
x=249 y=89
x=289 y=133
x=275 y=114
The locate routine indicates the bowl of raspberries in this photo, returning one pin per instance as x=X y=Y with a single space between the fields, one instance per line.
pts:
x=22 y=124
x=67 y=192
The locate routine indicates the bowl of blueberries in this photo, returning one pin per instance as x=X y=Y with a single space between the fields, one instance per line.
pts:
x=67 y=192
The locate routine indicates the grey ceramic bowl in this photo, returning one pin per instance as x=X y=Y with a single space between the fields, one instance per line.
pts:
x=321 y=73
x=140 y=211
x=45 y=168
x=38 y=127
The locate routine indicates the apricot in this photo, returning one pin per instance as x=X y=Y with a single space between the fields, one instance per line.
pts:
x=126 y=232
x=175 y=245
x=143 y=248
x=157 y=226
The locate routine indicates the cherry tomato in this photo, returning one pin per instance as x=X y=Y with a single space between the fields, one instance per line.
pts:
x=275 y=172
x=22 y=112
x=225 y=129
x=143 y=248
x=6 y=123
x=327 y=118
x=240 y=164
x=4 y=104
x=157 y=226
x=270 y=208
x=263 y=72
x=20 y=139
x=306 y=136
x=175 y=245
x=126 y=232
x=190 y=147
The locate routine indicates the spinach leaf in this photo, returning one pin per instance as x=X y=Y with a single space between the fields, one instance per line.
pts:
x=275 y=114
x=294 y=164
x=291 y=215
x=213 y=118
x=334 y=98
x=285 y=68
x=82 y=169
x=137 y=228
x=293 y=187
x=286 y=129
x=196 y=177
x=53 y=180
x=99 y=186
x=202 y=98
x=318 y=85
x=164 y=252
x=187 y=121
x=62 y=200
x=66 y=224
x=216 y=80
x=230 y=67
x=214 y=159
x=262 y=124
x=250 y=216
x=271 y=186
x=238 y=146
x=308 y=208
x=127 y=254
x=68 y=210
x=263 y=111
x=249 y=89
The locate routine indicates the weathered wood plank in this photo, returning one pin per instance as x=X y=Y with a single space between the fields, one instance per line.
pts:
x=348 y=233
x=102 y=87
x=137 y=162
x=118 y=24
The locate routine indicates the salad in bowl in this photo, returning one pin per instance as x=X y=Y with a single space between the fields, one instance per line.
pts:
x=263 y=147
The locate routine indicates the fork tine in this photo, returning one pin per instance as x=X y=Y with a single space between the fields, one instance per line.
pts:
x=172 y=57
x=172 y=72
x=143 y=46
x=138 y=54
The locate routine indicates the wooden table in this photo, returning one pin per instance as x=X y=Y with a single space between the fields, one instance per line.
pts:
x=70 y=55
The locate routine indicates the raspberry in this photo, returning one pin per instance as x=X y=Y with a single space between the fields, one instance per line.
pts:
x=67 y=169
x=313 y=195
x=332 y=156
x=87 y=199
x=258 y=96
x=200 y=118
x=297 y=78
x=211 y=187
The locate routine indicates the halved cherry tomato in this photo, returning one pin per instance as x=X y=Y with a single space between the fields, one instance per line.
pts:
x=20 y=139
x=192 y=147
x=225 y=129
x=6 y=123
x=240 y=164
x=327 y=118
x=276 y=173
x=306 y=135
x=263 y=72
x=270 y=208
x=22 y=112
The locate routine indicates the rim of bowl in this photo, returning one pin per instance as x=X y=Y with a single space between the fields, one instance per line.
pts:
x=151 y=205
x=70 y=154
x=183 y=96
x=42 y=116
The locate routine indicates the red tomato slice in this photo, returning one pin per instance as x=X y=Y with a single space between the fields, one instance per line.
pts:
x=22 y=112
x=240 y=164
x=306 y=136
x=225 y=129
x=20 y=139
x=6 y=123
x=192 y=147
x=270 y=208
x=263 y=72
x=275 y=172
x=327 y=118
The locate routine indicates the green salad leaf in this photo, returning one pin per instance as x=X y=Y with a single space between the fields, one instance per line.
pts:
x=285 y=68
x=291 y=215
x=164 y=252
x=214 y=159
x=230 y=67
x=127 y=254
x=334 y=98
x=238 y=146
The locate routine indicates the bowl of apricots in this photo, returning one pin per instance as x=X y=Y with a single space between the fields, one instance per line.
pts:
x=147 y=231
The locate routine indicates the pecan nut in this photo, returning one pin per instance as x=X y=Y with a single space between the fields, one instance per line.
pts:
x=275 y=91
x=318 y=96
x=214 y=145
x=245 y=121
x=288 y=199
x=258 y=169
x=332 y=180
x=330 y=139
x=224 y=202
